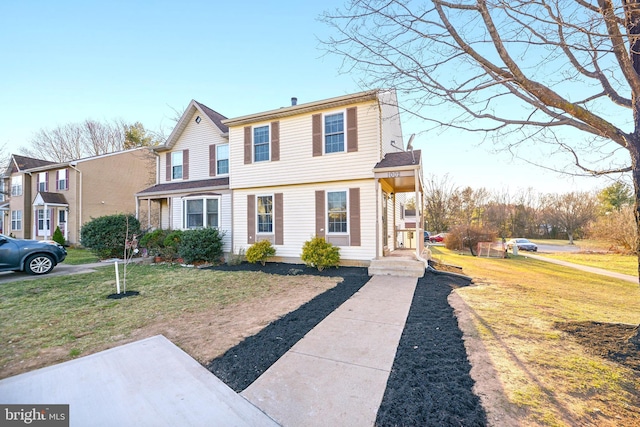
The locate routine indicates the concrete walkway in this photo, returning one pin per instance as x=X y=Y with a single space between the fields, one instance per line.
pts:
x=586 y=268
x=335 y=376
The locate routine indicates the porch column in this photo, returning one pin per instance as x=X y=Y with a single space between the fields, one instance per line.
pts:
x=379 y=208
x=419 y=221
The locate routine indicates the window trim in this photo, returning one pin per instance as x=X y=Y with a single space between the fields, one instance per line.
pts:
x=253 y=142
x=344 y=131
x=42 y=182
x=273 y=216
x=347 y=212
x=65 y=180
x=218 y=159
x=204 y=211
x=17 y=189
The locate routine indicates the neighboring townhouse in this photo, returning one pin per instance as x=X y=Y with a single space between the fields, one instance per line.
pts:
x=192 y=181
x=45 y=195
x=332 y=168
x=18 y=195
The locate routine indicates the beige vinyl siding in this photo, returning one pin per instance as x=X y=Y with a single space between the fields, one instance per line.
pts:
x=196 y=137
x=299 y=218
x=297 y=164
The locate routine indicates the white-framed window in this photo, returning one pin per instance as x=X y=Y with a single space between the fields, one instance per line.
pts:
x=222 y=159
x=337 y=212
x=2 y=197
x=176 y=165
x=42 y=182
x=265 y=214
x=334 y=135
x=261 y=143
x=16 y=220
x=62 y=216
x=16 y=185
x=201 y=212
x=62 y=182
x=44 y=221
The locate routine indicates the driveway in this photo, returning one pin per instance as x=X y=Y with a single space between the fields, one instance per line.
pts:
x=558 y=248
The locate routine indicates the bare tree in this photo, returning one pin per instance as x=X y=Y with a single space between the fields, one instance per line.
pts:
x=437 y=203
x=571 y=212
x=86 y=139
x=561 y=74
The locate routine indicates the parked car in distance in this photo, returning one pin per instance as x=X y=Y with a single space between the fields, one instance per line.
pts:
x=437 y=238
x=522 y=244
x=426 y=236
x=31 y=256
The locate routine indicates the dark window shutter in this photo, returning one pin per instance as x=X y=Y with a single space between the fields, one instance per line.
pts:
x=279 y=219
x=320 y=213
x=46 y=181
x=212 y=160
x=247 y=145
x=185 y=164
x=67 y=179
x=251 y=219
x=354 y=216
x=168 y=162
x=275 y=141
x=316 y=126
x=57 y=180
x=352 y=129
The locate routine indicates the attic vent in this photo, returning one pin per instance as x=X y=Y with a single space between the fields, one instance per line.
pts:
x=198 y=119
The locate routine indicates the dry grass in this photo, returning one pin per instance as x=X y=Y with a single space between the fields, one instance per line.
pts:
x=547 y=375
x=53 y=319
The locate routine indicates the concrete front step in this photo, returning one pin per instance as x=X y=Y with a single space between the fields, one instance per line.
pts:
x=390 y=266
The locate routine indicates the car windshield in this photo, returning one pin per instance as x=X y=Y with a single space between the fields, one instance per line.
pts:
x=522 y=241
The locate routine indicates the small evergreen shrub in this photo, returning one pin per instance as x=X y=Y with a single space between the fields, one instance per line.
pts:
x=105 y=236
x=320 y=254
x=58 y=237
x=201 y=245
x=172 y=244
x=260 y=251
x=153 y=241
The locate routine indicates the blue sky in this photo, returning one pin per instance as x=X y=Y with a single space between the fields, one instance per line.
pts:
x=66 y=61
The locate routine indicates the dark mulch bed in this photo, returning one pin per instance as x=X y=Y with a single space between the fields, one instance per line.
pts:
x=608 y=340
x=429 y=382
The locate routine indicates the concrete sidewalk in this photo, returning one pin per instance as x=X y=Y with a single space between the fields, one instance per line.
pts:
x=336 y=375
x=588 y=269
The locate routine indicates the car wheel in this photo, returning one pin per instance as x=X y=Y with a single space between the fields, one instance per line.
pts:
x=39 y=264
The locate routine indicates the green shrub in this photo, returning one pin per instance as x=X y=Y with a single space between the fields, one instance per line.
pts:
x=105 y=236
x=153 y=241
x=236 y=258
x=58 y=237
x=201 y=245
x=172 y=244
x=319 y=253
x=260 y=251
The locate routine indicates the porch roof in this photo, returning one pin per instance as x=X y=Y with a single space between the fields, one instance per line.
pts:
x=397 y=171
x=182 y=186
x=46 y=198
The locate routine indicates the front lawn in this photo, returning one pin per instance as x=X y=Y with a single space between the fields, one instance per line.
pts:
x=522 y=310
x=53 y=319
x=77 y=256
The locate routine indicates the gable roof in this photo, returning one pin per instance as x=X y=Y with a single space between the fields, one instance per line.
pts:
x=212 y=116
x=44 y=197
x=400 y=159
x=21 y=163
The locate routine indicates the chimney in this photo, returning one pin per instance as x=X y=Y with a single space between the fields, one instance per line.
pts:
x=294 y=101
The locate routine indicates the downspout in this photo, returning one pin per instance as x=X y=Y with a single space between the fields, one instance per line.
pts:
x=78 y=202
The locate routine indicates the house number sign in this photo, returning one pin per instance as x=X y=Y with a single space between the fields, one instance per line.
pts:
x=393 y=174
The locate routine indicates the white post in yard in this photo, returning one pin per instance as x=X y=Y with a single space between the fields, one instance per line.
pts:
x=117 y=278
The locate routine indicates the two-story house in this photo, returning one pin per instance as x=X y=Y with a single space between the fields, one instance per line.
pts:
x=45 y=195
x=330 y=168
x=192 y=182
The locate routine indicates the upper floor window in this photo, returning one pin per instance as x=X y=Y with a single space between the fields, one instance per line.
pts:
x=16 y=185
x=62 y=179
x=265 y=214
x=2 y=190
x=201 y=213
x=222 y=159
x=337 y=211
x=334 y=133
x=42 y=181
x=176 y=165
x=260 y=143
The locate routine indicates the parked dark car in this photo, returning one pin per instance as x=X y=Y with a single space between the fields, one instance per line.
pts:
x=522 y=244
x=31 y=256
x=426 y=237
